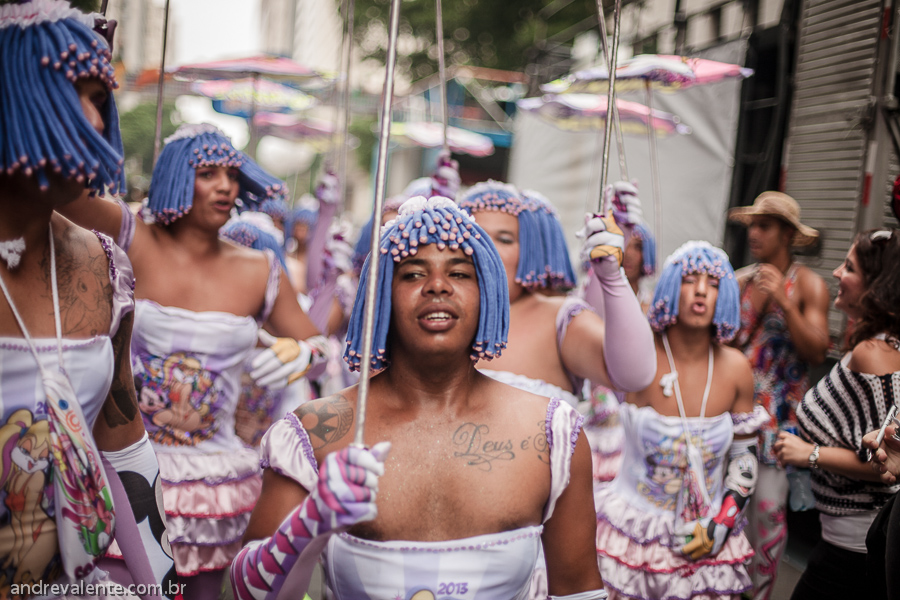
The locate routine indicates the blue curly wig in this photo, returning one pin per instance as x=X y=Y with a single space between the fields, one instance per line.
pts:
x=697 y=257
x=438 y=221
x=559 y=273
x=45 y=48
x=191 y=147
x=531 y=272
x=648 y=248
x=251 y=236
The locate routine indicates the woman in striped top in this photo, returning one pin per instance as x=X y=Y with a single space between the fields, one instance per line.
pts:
x=853 y=399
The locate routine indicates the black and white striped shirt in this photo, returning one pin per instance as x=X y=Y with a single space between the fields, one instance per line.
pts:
x=841 y=408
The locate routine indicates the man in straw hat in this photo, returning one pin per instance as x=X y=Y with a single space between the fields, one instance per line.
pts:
x=784 y=331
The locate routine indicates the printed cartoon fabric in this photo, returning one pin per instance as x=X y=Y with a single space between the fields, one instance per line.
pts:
x=29 y=536
x=780 y=377
x=187 y=368
x=638 y=546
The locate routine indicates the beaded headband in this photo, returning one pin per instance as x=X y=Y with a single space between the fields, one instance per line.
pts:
x=192 y=147
x=533 y=267
x=45 y=47
x=417 y=187
x=437 y=221
x=559 y=274
x=697 y=257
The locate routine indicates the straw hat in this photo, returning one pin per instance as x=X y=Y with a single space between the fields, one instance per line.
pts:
x=781 y=206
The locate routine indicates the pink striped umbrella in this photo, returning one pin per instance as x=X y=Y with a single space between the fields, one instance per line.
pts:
x=665 y=72
x=587 y=112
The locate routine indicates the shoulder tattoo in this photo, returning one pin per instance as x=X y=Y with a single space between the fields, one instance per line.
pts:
x=326 y=420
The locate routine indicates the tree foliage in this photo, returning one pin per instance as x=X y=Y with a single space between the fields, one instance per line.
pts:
x=486 y=33
x=138 y=127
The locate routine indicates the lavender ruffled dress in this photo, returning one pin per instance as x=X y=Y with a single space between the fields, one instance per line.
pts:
x=637 y=545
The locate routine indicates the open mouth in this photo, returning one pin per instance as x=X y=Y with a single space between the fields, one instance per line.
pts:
x=438 y=316
x=698 y=308
x=437 y=319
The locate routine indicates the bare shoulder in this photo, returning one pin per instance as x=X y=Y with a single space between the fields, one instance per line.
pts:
x=732 y=358
x=810 y=282
x=745 y=273
x=82 y=271
x=875 y=357
x=525 y=409
x=243 y=256
x=329 y=421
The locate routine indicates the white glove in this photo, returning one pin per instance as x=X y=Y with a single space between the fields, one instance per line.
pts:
x=626 y=205
x=328 y=190
x=337 y=247
x=284 y=361
x=446 y=180
x=604 y=244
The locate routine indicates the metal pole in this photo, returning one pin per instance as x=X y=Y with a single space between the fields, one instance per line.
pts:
x=160 y=85
x=254 y=141
x=445 y=109
x=346 y=52
x=374 y=251
x=610 y=99
x=654 y=173
x=614 y=109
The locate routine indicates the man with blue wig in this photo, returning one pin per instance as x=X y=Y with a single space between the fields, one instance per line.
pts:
x=670 y=524
x=471 y=474
x=77 y=468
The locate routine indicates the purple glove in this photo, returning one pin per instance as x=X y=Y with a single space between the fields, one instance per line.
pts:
x=343 y=497
x=628 y=347
x=446 y=180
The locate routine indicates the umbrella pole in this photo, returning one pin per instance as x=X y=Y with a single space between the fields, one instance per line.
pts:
x=445 y=109
x=610 y=101
x=160 y=85
x=346 y=52
x=654 y=173
x=374 y=250
x=610 y=63
x=254 y=141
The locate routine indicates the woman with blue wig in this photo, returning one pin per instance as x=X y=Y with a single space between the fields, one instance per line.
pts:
x=539 y=322
x=77 y=470
x=480 y=475
x=201 y=302
x=670 y=523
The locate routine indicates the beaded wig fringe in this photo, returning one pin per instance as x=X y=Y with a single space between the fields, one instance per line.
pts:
x=438 y=221
x=191 y=147
x=45 y=48
x=559 y=274
x=532 y=270
x=697 y=257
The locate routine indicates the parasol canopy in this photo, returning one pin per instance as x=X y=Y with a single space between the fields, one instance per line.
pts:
x=588 y=112
x=239 y=97
x=276 y=68
x=431 y=135
x=665 y=72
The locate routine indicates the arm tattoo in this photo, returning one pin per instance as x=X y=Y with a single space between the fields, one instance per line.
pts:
x=326 y=420
x=473 y=445
x=121 y=406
